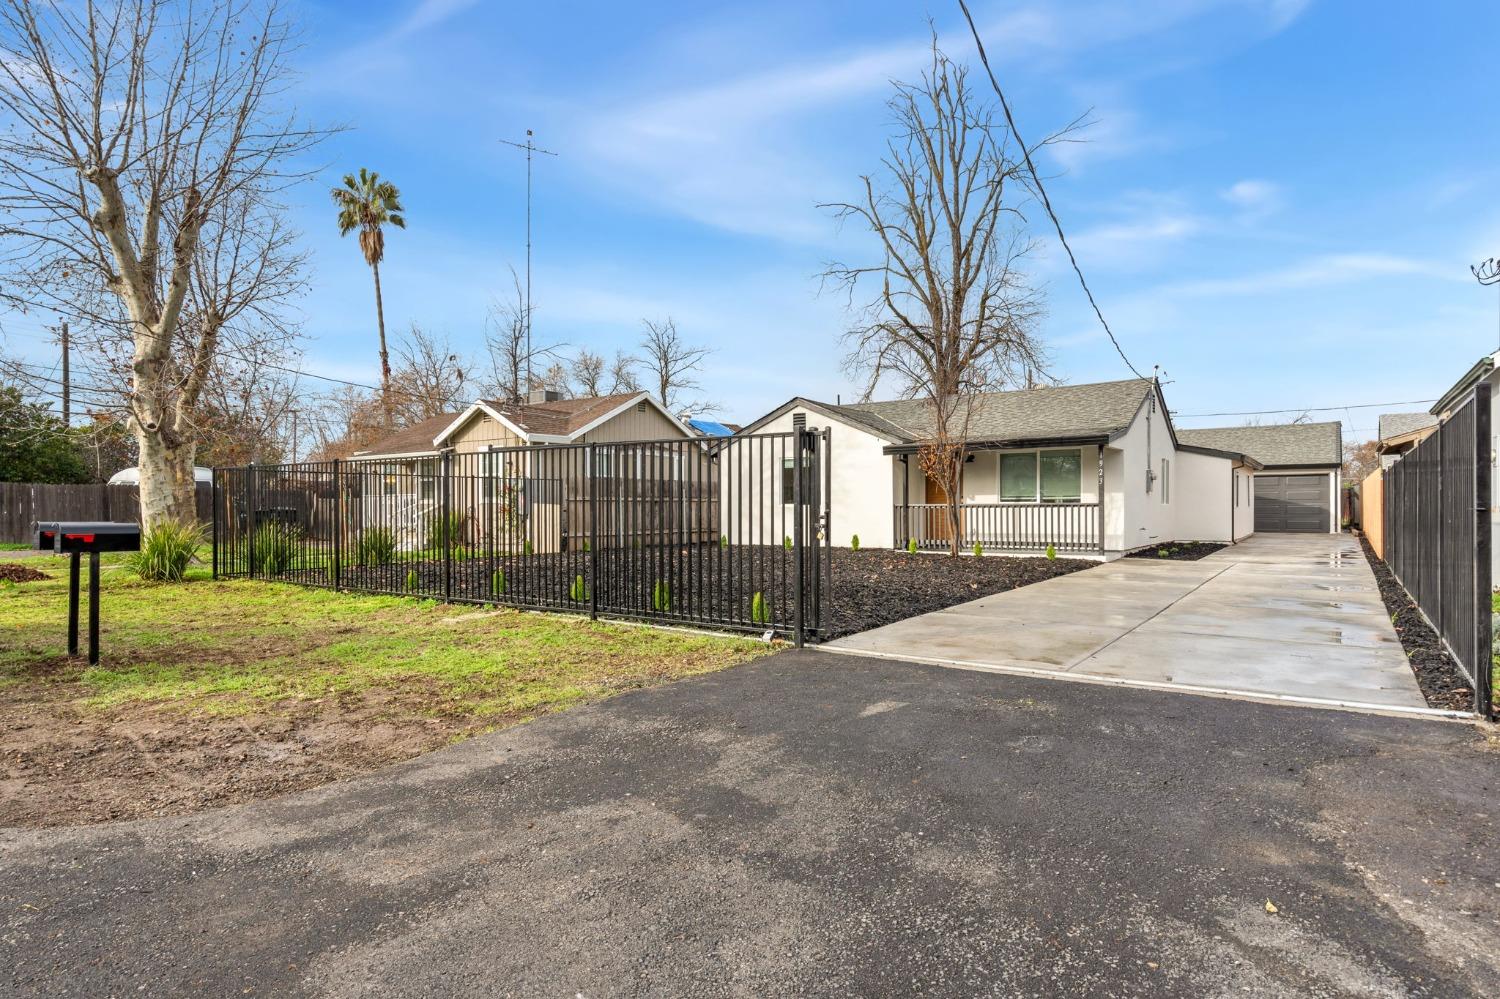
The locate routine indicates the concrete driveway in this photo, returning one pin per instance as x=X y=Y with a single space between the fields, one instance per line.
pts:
x=1280 y=616
x=810 y=825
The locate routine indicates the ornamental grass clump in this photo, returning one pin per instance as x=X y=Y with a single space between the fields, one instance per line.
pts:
x=661 y=596
x=375 y=546
x=578 y=592
x=497 y=582
x=166 y=550
x=854 y=543
x=274 y=548
x=1051 y=551
x=911 y=546
x=760 y=609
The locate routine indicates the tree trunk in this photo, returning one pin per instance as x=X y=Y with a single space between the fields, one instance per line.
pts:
x=385 y=358
x=168 y=491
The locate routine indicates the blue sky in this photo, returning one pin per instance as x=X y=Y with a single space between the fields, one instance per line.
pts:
x=1278 y=202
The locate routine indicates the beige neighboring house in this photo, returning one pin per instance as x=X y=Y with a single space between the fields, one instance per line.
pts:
x=512 y=483
x=1400 y=432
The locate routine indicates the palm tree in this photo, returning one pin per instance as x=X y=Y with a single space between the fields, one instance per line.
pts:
x=367 y=203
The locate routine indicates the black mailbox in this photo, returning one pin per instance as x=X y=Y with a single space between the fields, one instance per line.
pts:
x=85 y=536
x=76 y=538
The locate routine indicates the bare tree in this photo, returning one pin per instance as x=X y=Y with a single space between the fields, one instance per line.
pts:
x=430 y=378
x=555 y=379
x=344 y=421
x=588 y=371
x=670 y=362
x=143 y=136
x=622 y=377
x=244 y=413
x=507 y=344
x=951 y=317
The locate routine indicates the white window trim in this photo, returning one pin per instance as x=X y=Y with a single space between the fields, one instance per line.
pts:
x=1037 y=467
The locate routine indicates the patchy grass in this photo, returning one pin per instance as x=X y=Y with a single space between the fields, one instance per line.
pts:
x=14 y=546
x=205 y=669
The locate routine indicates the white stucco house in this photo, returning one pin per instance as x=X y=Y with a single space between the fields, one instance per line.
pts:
x=1095 y=470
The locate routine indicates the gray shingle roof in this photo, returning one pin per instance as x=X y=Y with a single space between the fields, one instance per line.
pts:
x=1397 y=424
x=1277 y=444
x=1061 y=411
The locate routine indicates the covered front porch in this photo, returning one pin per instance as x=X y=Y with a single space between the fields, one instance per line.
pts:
x=1019 y=500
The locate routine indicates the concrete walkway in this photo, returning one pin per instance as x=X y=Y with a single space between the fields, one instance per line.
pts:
x=1280 y=616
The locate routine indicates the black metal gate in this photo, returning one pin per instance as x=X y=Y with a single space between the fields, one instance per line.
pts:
x=719 y=532
x=1437 y=535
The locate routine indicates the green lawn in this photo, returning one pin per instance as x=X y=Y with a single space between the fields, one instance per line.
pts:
x=240 y=647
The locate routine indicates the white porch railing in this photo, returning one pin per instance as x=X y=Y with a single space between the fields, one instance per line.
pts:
x=1067 y=527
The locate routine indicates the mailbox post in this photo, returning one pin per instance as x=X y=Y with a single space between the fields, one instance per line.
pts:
x=74 y=539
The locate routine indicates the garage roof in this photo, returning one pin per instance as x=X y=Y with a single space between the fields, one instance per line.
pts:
x=1280 y=445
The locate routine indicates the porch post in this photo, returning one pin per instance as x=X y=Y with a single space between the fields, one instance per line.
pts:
x=905 y=538
x=1101 y=499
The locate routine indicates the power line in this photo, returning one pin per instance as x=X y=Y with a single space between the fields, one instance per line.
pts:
x=1036 y=179
x=1307 y=409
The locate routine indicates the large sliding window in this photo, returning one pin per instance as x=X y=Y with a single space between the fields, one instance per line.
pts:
x=1041 y=476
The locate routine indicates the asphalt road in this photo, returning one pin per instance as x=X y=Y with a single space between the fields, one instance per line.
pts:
x=810 y=825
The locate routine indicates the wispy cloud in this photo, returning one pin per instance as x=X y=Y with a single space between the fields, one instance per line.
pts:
x=1315 y=272
x=429 y=13
x=1253 y=197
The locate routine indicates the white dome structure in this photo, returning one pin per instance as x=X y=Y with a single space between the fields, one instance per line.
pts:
x=132 y=476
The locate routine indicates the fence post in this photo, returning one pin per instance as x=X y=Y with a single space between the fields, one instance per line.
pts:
x=337 y=579
x=446 y=502
x=214 y=519
x=593 y=474
x=250 y=500
x=800 y=438
x=1483 y=667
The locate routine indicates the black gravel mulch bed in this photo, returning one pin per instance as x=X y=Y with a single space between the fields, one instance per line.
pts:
x=873 y=587
x=711 y=586
x=1174 y=551
x=1438 y=676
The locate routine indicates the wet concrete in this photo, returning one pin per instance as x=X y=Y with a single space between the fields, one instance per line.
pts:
x=1279 y=615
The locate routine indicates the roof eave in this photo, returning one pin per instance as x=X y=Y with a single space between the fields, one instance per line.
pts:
x=1013 y=443
x=1481 y=368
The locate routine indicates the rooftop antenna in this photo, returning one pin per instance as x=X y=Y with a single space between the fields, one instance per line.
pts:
x=1486 y=272
x=530 y=147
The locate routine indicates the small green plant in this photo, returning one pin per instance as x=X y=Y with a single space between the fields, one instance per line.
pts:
x=586 y=548
x=497 y=582
x=911 y=546
x=527 y=548
x=578 y=592
x=1163 y=552
x=456 y=521
x=723 y=541
x=274 y=548
x=786 y=542
x=661 y=596
x=411 y=580
x=854 y=543
x=760 y=608
x=1051 y=550
x=978 y=549
x=165 y=552
x=375 y=546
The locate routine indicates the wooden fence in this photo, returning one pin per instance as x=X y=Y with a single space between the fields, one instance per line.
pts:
x=22 y=503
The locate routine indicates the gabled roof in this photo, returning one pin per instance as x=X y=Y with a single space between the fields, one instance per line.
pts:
x=1060 y=412
x=411 y=441
x=559 y=420
x=1464 y=385
x=1276 y=445
x=1400 y=424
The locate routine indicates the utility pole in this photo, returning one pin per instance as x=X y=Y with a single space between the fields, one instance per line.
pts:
x=67 y=388
x=1486 y=272
x=530 y=147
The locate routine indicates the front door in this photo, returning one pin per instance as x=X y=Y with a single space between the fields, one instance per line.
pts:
x=934 y=526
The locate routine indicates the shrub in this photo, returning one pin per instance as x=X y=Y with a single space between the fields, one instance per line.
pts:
x=1051 y=550
x=527 y=548
x=375 y=546
x=411 y=579
x=723 y=541
x=978 y=549
x=786 y=542
x=165 y=552
x=661 y=596
x=497 y=582
x=274 y=548
x=578 y=592
x=854 y=543
x=760 y=608
x=457 y=522
x=1163 y=552
x=911 y=546
x=586 y=547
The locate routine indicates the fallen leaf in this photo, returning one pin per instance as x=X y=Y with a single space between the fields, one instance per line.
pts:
x=1271 y=907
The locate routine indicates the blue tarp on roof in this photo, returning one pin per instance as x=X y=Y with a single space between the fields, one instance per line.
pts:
x=710 y=428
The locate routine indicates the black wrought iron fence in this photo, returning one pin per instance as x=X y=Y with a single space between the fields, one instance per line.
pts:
x=1437 y=535
x=726 y=533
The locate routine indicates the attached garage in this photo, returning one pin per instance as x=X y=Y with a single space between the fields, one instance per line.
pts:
x=1293 y=503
